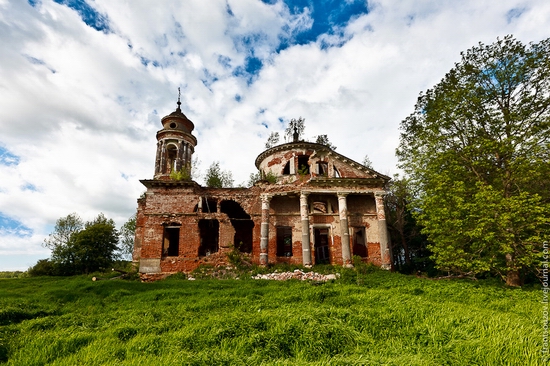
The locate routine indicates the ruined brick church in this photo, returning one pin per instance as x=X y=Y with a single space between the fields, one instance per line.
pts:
x=319 y=207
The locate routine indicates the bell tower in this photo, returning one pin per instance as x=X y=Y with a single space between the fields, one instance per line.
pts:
x=175 y=145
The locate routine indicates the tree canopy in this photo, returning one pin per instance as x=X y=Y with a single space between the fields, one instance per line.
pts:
x=272 y=140
x=65 y=228
x=127 y=237
x=217 y=178
x=367 y=162
x=476 y=150
x=295 y=126
x=409 y=246
x=80 y=248
x=323 y=140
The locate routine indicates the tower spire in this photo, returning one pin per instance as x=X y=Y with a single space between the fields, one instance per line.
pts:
x=179 y=103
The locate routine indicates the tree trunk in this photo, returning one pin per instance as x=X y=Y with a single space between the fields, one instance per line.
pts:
x=405 y=246
x=512 y=277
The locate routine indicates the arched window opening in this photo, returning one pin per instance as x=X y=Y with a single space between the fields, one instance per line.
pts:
x=209 y=205
x=303 y=166
x=171 y=155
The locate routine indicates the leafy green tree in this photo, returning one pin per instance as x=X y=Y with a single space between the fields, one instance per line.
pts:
x=476 y=150
x=187 y=173
x=44 y=267
x=127 y=238
x=268 y=177
x=217 y=178
x=253 y=178
x=366 y=162
x=96 y=245
x=323 y=140
x=409 y=245
x=88 y=250
x=295 y=129
x=272 y=140
x=65 y=228
x=182 y=174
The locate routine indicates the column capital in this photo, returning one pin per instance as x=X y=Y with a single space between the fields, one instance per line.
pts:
x=305 y=193
x=265 y=197
x=342 y=194
x=380 y=194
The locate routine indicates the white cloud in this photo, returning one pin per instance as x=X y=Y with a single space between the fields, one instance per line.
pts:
x=81 y=107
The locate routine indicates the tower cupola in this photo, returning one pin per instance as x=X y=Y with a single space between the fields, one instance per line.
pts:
x=175 y=144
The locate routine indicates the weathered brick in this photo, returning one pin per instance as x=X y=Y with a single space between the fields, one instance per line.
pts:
x=169 y=215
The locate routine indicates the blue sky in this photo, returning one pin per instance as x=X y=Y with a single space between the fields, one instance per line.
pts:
x=84 y=83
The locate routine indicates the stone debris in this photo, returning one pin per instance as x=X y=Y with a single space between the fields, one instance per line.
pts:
x=297 y=275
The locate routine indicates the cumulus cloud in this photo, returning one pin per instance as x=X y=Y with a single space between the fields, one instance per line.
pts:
x=83 y=87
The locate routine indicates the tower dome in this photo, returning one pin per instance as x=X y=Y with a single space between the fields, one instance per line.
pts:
x=175 y=144
x=177 y=121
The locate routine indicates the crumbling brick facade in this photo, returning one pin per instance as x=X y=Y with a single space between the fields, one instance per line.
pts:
x=315 y=206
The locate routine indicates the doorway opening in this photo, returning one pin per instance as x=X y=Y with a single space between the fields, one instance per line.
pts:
x=284 y=241
x=171 y=241
x=359 y=242
x=209 y=234
x=322 y=245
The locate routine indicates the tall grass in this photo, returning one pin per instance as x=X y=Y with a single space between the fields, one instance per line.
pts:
x=376 y=318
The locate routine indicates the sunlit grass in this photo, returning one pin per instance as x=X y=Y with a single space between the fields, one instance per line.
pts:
x=386 y=319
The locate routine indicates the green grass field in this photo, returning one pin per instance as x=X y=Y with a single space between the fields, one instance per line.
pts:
x=380 y=318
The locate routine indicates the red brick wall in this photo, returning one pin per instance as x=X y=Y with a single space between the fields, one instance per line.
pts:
x=171 y=204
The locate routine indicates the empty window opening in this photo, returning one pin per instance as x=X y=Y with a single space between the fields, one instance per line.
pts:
x=171 y=154
x=286 y=169
x=242 y=224
x=336 y=173
x=284 y=241
x=209 y=236
x=171 y=241
x=359 y=242
x=322 y=169
x=303 y=166
x=243 y=235
x=209 y=205
x=322 y=246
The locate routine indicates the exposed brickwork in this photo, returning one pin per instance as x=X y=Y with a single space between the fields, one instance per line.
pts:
x=374 y=253
x=178 y=229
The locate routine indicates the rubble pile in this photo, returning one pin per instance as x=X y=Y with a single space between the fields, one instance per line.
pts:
x=296 y=275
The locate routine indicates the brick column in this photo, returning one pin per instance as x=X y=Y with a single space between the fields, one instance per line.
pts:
x=385 y=253
x=264 y=230
x=304 y=213
x=179 y=157
x=187 y=157
x=163 y=158
x=344 y=229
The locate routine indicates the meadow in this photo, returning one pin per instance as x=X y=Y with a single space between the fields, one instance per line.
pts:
x=376 y=318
